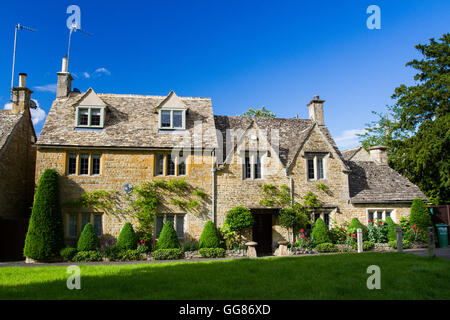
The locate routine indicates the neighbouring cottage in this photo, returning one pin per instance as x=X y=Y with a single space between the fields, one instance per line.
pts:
x=17 y=168
x=100 y=141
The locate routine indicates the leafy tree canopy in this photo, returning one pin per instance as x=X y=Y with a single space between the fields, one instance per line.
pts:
x=263 y=112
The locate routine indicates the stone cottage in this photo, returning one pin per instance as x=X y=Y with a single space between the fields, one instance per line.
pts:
x=101 y=141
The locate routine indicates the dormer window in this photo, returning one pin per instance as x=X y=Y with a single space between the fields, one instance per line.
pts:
x=172 y=119
x=90 y=117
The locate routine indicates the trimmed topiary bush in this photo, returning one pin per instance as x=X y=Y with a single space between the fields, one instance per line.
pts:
x=320 y=232
x=326 y=247
x=45 y=236
x=127 y=239
x=406 y=244
x=392 y=229
x=238 y=219
x=87 y=256
x=419 y=215
x=168 y=254
x=88 y=240
x=128 y=255
x=354 y=225
x=168 y=238
x=212 y=252
x=210 y=237
x=68 y=253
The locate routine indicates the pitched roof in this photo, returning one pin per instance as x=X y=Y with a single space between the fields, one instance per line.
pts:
x=349 y=153
x=8 y=121
x=130 y=121
x=373 y=183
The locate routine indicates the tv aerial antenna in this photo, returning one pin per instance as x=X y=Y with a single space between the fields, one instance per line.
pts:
x=17 y=28
x=74 y=28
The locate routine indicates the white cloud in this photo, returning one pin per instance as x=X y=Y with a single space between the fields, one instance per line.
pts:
x=37 y=115
x=86 y=75
x=47 y=88
x=348 y=138
x=101 y=71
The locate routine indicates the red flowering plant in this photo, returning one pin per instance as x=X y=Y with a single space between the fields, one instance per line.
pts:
x=142 y=246
x=351 y=238
x=416 y=234
x=303 y=241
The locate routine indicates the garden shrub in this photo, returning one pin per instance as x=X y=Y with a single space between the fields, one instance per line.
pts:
x=127 y=239
x=168 y=238
x=238 y=219
x=190 y=245
x=326 y=247
x=68 y=253
x=212 y=252
x=354 y=225
x=419 y=215
x=337 y=234
x=87 y=256
x=320 y=232
x=88 y=240
x=391 y=229
x=210 y=236
x=45 y=236
x=406 y=244
x=168 y=254
x=368 y=245
x=128 y=255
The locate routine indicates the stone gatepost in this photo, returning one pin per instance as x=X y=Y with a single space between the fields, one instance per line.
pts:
x=360 y=240
x=431 y=244
x=399 y=239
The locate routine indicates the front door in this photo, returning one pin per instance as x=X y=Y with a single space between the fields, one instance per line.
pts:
x=262 y=231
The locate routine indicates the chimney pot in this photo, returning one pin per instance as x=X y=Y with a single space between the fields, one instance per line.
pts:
x=378 y=154
x=65 y=66
x=316 y=110
x=64 y=85
x=22 y=80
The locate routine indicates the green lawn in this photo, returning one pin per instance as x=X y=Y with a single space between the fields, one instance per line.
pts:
x=342 y=276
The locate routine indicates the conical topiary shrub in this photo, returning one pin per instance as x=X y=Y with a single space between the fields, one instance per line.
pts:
x=392 y=229
x=354 y=225
x=88 y=240
x=210 y=237
x=168 y=238
x=419 y=215
x=320 y=232
x=45 y=236
x=127 y=239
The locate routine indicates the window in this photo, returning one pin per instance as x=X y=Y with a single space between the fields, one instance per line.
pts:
x=316 y=216
x=172 y=119
x=181 y=166
x=380 y=214
x=315 y=167
x=159 y=164
x=170 y=166
x=90 y=117
x=176 y=220
x=174 y=166
x=326 y=219
x=252 y=168
x=72 y=164
x=85 y=163
x=77 y=221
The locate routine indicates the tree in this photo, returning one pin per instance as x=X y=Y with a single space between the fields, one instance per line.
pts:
x=320 y=232
x=419 y=133
x=419 y=215
x=392 y=229
x=210 y=237
x=168 y=238
x=354 y=225
x=293 y=218
x=238 y=219
x=127 y=239
x=45 y=236
x=88 y=240
x=263 y=112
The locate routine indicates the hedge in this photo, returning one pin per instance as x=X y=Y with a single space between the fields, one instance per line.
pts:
x=45 y=236
x=168 y=254
x=212 y=252
x=68 y=253
x=326 y=247
x=419 y=215
x=87 y=256
x=210 y=236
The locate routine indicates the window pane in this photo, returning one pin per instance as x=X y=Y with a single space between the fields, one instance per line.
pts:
x=170 y=166
x=316 y=216
x=181 y=166
x=171 y=219
x=83 y=117
x=310 y=168
x=96 y=163
x=85 y=219
x=95 y=117
x=73 y=225
x=159 y=225
x=370 y=215
x=177 y=119
x=98 y=224
x=388 y=214
x=257 y=168
x=319 y=168
x=165 y=119
x=247 y=168
x=326 y=219
x=180 y=226
x=72 y=163
x=159 y=164
x=84 y=163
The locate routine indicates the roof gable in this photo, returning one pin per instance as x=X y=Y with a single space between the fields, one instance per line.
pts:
x=172 y=101
x=90 y=98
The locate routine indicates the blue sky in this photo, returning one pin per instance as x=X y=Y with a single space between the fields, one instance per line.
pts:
x=242 y=54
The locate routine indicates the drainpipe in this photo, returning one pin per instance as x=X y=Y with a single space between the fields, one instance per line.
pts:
x=213 y=191
x=291 y=188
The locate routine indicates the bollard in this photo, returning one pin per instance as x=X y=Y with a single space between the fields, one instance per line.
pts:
x=431 y=245
x=360 y=241
x=399 y=240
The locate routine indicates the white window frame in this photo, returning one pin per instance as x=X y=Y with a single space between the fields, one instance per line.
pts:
x=171 y=127
x=89 y=108
x=393 y=214
x=315 y=158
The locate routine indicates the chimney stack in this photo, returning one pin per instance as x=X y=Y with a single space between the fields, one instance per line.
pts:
x=378 y=154
x=21 y=96
x=64 y=86
x=316 y=110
